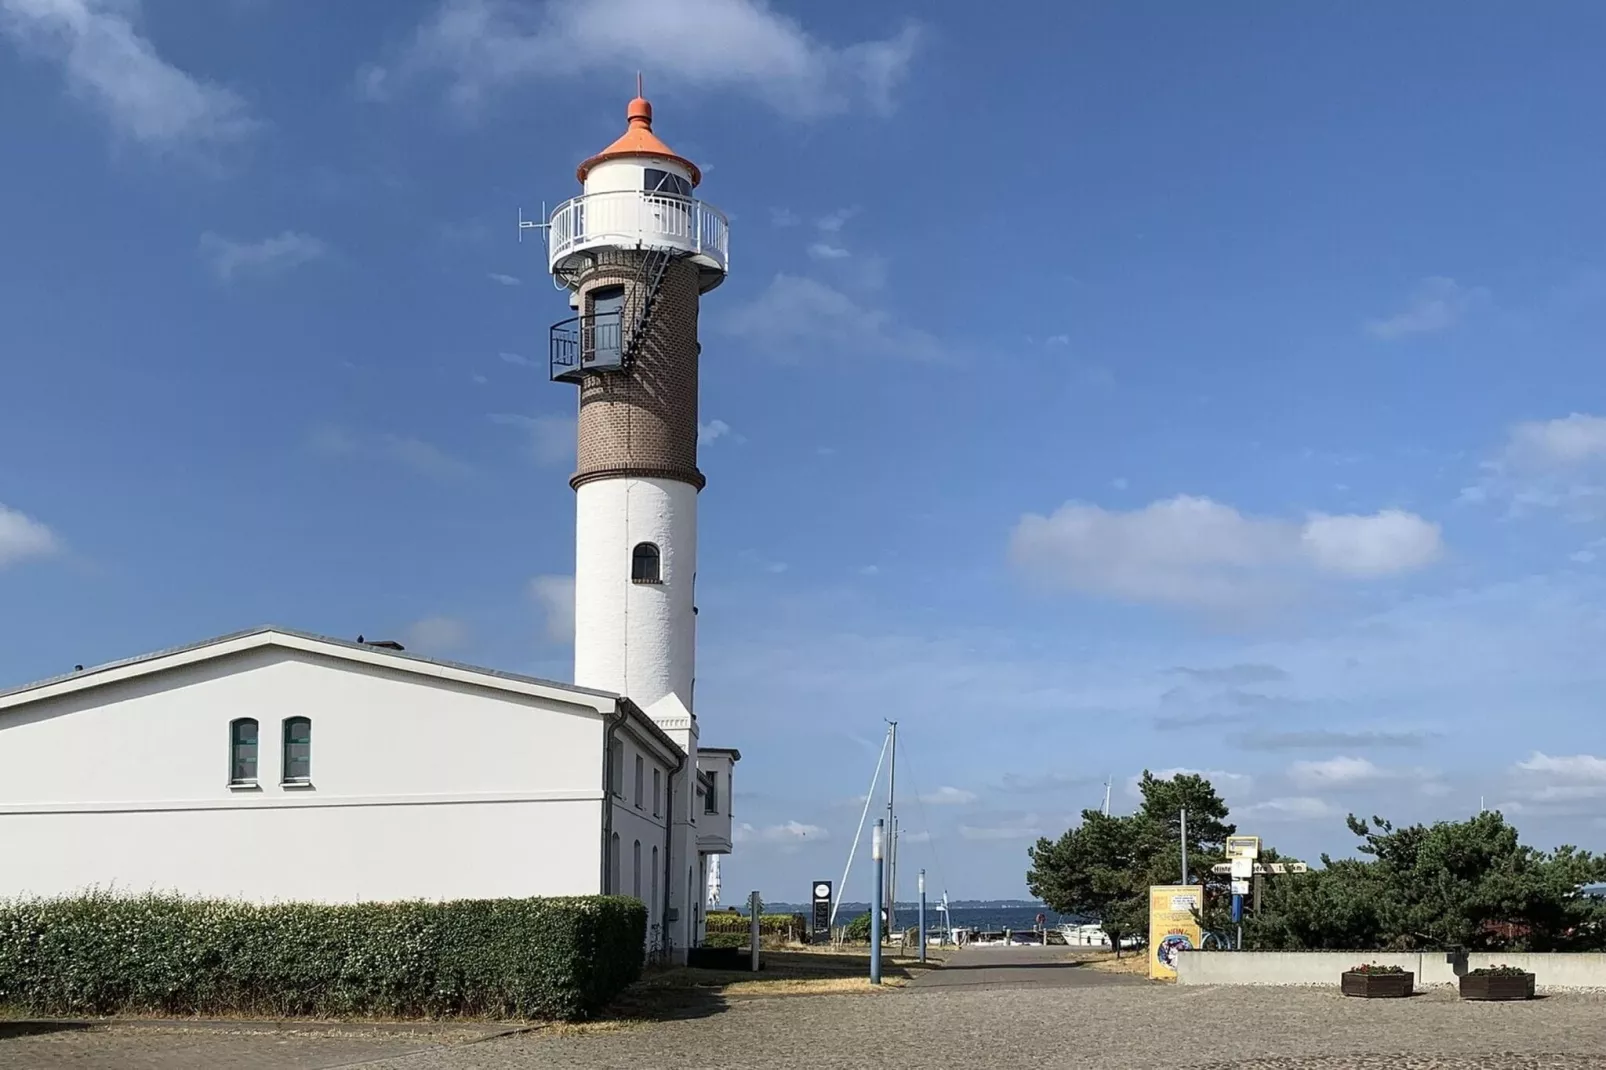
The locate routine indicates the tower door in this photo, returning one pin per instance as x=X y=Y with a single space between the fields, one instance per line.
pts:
x=602 y=344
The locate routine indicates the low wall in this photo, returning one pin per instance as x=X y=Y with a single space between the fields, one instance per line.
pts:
x=1558 y=970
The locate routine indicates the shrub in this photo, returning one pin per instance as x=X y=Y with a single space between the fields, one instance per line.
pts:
x=785 y=926
x=100 y=954
x=1497 y=971
x=859 y=929
x=736 y=940
x=1372 y=967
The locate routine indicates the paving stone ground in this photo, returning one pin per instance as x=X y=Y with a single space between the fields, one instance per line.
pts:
x=956 y=1028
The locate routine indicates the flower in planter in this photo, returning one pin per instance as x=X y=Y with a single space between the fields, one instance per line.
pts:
x=1497 y=971
x=1374 y=968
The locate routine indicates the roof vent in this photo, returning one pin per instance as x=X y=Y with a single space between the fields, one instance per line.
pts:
x=386 y=644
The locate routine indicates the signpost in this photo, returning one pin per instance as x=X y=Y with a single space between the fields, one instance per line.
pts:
x=755 y=913
x=820 y=918
x=876 y=852
x=1261 y=868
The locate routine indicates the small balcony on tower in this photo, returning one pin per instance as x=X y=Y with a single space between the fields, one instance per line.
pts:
x=639 y=219
x=588 y=343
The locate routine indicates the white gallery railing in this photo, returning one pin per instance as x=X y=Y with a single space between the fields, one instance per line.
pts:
x=632 y=218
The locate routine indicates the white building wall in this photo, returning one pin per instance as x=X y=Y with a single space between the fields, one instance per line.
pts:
x=419 y=787
x=635 y=639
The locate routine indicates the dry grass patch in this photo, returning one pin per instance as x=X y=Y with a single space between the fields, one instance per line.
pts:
x=1133 y=962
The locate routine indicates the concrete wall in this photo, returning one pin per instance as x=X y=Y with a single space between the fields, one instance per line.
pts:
x=1550 y=970
x=419 y=788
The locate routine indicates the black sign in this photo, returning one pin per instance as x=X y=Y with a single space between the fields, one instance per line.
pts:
x=820 y=920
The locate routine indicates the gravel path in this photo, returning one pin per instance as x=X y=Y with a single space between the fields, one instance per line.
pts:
x=1109 y=1027
x=1115 y=1026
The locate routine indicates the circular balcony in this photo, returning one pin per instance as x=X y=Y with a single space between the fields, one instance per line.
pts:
x=633 y=219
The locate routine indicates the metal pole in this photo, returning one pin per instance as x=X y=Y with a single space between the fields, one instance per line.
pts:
x=1185 y=846
x=922 y=916
x=892 y=827
x=875 y=911
x=755 y=908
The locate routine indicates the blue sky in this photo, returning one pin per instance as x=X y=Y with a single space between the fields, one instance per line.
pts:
x=1127 y=386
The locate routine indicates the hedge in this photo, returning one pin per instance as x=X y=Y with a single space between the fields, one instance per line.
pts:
x=101 y=954
x=728 y=921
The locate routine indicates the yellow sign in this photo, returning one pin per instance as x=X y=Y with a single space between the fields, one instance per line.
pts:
x=1243 y=847
x=1172 y=927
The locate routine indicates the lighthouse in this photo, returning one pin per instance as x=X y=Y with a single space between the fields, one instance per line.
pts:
x=635 y=252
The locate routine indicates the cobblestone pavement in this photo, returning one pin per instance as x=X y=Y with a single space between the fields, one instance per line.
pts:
x=959 y=1028
x=209 y=1047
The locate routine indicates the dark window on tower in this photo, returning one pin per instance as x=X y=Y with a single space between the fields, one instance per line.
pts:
x=297 y=750
x=644 y=564
x=657 y=181
x=243 y=751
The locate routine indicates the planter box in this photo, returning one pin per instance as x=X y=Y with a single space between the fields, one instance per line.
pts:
x=1377 y=985
x=1475 y=987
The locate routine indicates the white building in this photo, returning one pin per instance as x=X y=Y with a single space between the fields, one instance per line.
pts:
x=275 y=764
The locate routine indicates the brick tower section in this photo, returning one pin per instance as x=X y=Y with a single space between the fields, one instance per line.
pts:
x=643 y=422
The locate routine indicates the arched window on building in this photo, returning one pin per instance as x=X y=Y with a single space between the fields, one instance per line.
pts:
x=652 y=906
x=297 y=750
x=615 y=881
x=635 y=869
x=645 y=564
x=243 y=752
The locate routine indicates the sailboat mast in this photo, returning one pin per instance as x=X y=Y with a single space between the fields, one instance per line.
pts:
x=892 y=827
x=1106 y=796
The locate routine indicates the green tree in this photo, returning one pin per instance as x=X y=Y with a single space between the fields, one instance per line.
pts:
x=1469 y=884
x=1104 y=866
x=858 y=930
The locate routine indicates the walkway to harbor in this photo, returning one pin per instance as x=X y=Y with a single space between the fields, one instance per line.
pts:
x=1056 y=967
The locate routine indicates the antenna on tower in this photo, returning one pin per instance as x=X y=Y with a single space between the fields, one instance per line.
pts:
x=639 y=93
x=533 y=224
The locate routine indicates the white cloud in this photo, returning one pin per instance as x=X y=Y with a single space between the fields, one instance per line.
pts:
x=22 y=537
x=1025 y=827
x=290 y=249
x=712 y=430
x=1378 y=545
x=1057 y=340
x=552 y=437
x=1334 y=772
x=792 y=832
x=1437 y=304
x=436 y=634
x=1198 y=553
x=1290 y=808
x=484 y=46
x=797 y=315
x=1548 y=464
x=505 y=280
x=784 y=217
x=823 y=251
x=832 y=222
x=948 y=796
x=115 y=69
x=1224 y=782
x=1585 y=768
x=555 y=596
x=422 y=457
x=1576 y=438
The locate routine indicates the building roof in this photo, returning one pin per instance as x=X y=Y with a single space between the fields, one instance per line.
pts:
x=639 y=140
x=289 y=638
x=731 y=752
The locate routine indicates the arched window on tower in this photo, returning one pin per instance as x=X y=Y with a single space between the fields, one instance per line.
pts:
x=644 y=564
